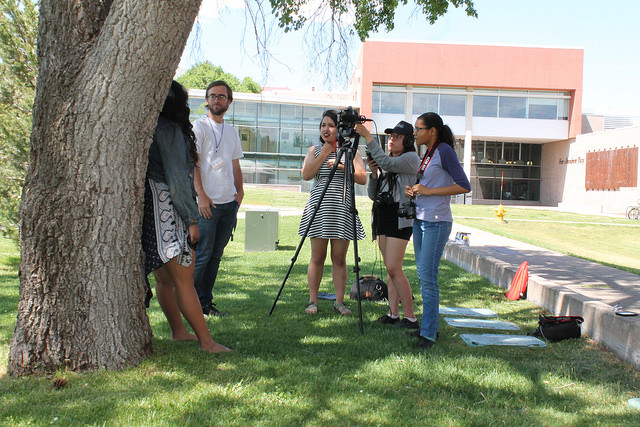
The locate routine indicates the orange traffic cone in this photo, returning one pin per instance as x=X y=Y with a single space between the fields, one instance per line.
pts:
x=519 y=284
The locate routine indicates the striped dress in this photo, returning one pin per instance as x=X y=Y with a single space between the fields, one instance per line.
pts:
x=334 y=219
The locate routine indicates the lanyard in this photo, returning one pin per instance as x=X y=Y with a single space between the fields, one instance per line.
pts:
x=217 y=142
x=425 y=161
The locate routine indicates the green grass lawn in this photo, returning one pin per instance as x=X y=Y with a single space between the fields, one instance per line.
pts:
x=605 y=240
x=294 y=369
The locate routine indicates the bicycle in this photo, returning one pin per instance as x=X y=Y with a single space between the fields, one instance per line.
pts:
x=633 y=212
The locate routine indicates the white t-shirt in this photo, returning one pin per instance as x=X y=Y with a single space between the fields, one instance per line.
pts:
x=218 y=145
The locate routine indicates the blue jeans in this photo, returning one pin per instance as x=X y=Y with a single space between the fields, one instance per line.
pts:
x=214 y=236
x=429 y=239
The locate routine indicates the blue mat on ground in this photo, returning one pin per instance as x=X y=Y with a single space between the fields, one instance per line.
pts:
x=469 y=312
x=501 y=339
x=481 y=324
x=324 y=295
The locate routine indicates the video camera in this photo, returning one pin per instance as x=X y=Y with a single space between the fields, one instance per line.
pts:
x=347 y=119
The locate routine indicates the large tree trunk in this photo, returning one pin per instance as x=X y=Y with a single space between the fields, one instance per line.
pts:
x=104 y=71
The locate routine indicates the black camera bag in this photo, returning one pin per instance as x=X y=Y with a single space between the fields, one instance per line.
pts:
x=371 y=288
x=558 y=328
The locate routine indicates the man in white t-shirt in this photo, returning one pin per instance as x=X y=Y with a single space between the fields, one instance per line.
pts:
x=218 y=183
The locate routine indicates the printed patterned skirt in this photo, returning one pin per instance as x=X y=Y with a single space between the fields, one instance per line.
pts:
x=164 y=233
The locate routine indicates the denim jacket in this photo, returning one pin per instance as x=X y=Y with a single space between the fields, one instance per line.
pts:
x=170 y=162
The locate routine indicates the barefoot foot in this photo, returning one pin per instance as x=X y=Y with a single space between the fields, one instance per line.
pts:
x=186 y=336
x=214 y=347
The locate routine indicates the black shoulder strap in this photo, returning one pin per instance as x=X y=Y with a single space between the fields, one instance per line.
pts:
x=391 y=178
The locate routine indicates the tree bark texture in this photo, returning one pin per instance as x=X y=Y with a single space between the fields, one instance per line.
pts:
x=104 y=71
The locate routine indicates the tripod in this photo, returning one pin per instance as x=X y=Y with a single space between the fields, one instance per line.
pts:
x=346 y=150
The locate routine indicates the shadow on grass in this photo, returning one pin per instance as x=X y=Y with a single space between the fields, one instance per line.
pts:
x=295 y=369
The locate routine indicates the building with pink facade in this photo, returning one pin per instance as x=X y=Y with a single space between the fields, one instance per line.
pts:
x=503 y=104
x=516 y=113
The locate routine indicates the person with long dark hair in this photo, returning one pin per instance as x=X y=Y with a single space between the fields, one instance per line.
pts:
x=389 y=175
x=333 y=221
x=170 y=222
x=440 y=176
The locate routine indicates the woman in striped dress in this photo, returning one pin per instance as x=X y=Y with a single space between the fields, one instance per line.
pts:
x=333 y=221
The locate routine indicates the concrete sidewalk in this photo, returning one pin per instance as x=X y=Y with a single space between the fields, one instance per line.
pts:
x=561 y=284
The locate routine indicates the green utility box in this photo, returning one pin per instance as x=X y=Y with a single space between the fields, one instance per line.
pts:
x=261 y=231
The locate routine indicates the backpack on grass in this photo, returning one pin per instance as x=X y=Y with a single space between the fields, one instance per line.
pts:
x=371 y=288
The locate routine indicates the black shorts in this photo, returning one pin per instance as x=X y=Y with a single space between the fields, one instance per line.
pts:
x=385 y=223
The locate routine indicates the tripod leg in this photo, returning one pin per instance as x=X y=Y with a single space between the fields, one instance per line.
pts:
x=306 y=230
x=352 y=207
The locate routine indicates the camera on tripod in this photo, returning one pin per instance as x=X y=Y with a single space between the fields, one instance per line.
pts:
x=347 y=119
x=407 y=210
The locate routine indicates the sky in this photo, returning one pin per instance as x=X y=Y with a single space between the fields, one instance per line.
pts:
x=608 y=31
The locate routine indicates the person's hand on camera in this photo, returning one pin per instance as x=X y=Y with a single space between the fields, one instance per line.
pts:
x=373 y=166
x=363 y=132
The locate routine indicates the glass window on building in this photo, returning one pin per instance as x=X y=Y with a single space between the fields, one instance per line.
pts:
x=389 y=102
x=543 y=108
x=258 y=168
x=486 y=151
x=452 y=105
x=513 y=107
x=424 y=103
x=197 y=107
x=312 y=116
x=309 y=138
x=458 y=147
x=289 y=170
x=563 y=109
x=485 y=106
x=268 y=114
x=267 y=141
x=247 y=138
x=516 y=170
x=244 y=113
x=291 y=116
x=291 y=141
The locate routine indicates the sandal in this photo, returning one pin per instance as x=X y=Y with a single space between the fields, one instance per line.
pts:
x=311 y=308
x=342 y=309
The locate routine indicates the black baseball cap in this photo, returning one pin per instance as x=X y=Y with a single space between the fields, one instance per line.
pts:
x=402 y=128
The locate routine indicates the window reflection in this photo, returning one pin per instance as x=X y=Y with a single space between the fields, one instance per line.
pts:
x=485 y=106
x=390 y=102
x=452 y=105
x=540 y=108
x=515 y=108
x=244 y=113
x=516 y=165
x=424 y=102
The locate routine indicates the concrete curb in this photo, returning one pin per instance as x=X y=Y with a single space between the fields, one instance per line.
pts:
x=621 y=335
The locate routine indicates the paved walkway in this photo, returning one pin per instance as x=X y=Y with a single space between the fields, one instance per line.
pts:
x=561 y=284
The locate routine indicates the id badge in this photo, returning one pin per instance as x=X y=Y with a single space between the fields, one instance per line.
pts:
x=217 y=163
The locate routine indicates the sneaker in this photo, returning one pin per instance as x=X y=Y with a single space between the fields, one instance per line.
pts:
x=407 y=324
x=387 y=320
x=425 y=344
x=211 y=310
x=416 y=334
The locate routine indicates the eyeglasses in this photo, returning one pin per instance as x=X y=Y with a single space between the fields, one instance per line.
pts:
x=417 y=129
x=220 y=97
